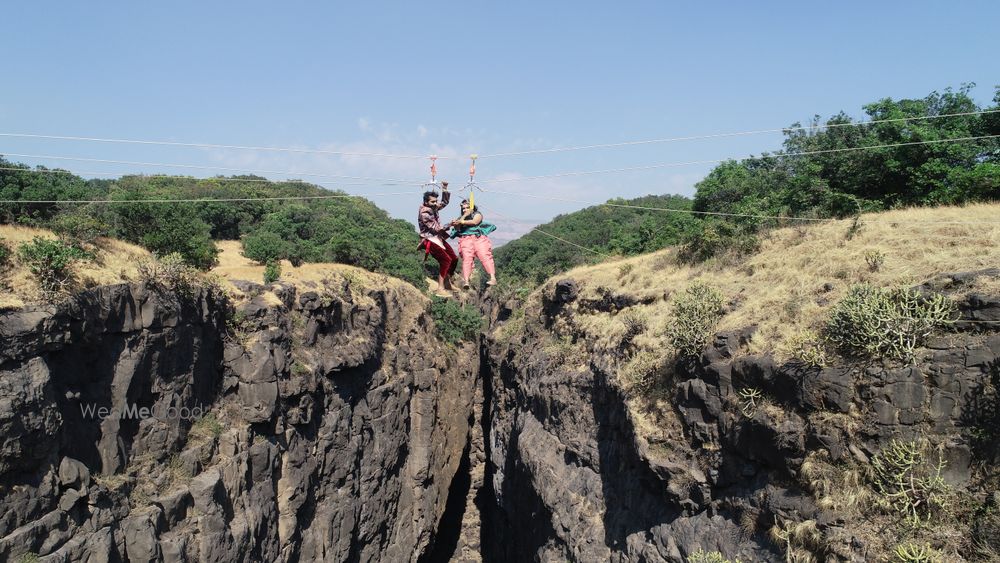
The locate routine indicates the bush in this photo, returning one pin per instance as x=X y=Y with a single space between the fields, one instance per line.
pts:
x=910 y=552
x=716 y=238
x=51 y=262
x=5 y=253
x=272 y=272
x=169 y=272
x=207 y=427
x=886 y=322
x=702 y=556
x=167 y=228
x=635 y=323
x=79 y=227
x=696 y=312
x=455 y=322
x=874 y=258
x=908 y=483
x=807 y=347
x=264 y=247
x=641 y=372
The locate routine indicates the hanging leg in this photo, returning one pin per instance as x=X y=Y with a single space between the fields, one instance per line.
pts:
x=484 y=251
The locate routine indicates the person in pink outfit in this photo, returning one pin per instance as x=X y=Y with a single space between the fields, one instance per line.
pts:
x=473 y=242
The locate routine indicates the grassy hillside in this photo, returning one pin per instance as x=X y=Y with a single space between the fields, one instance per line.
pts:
x=114 y=261
x=632 y=318
x=790 y=285
x=608 y=230
x=816 y=172
x=347 y=230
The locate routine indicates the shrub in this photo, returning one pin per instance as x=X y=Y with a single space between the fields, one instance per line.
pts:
x=908 y=483
x=51 y=262
x=910 y=552
x=886 y=322
x=874 y=258
x=749 y=399
x=641 y=372
x=79 y=227
x=696 y=312
x=264 y=246
x=807 y=347
x=715 y=238
x=635 y=323
x=272 y=272
x=169 y=272
x=5 y=253
x=208 y=426
x=702 y=556
x=164 y=229
x=455 y=322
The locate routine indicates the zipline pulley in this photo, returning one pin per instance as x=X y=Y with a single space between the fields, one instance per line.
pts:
x=472 y=180
x=433 y=184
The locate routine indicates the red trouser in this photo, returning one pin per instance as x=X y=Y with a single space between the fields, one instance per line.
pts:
x=446 y=257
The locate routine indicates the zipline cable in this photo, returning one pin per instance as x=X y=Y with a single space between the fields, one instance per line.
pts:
x=493 y=155
x=206 y=179
x=737 y=134
x=518 y=179
x=535 y=228
x=715 y=213
x=206 y=199
x=203 y=167
x=750 y=157
x=212 y=146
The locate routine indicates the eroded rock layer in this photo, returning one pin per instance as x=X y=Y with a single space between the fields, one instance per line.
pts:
x=313 y=424
x=750 y=458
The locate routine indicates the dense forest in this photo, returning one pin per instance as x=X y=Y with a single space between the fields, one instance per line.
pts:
x=348 y=230
x=812 y=175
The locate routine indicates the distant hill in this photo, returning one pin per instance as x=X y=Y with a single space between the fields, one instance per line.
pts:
x=605 y=229
x=347 y=230
x=907 y=159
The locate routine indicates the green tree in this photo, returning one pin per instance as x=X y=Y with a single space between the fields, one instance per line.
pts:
x=264 y=247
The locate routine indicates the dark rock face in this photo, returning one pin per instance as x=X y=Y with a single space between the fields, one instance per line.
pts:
x=569 y=477
x=333 y=423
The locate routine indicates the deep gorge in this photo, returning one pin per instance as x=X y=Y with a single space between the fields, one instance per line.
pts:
x=339 y=428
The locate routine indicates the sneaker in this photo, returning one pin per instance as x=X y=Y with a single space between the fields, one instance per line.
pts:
x=465 y=285
x=493 y=281
x=444 y=294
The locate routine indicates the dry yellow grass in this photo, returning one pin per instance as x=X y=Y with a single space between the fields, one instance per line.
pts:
x=116 y=262
x=233 y=266
x=781 y=288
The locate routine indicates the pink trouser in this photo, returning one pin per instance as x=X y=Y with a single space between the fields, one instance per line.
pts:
x=476 y=247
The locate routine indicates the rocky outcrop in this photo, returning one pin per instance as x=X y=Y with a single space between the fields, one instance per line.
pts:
x=326 y=422
x=571 y=478
x=321 y=423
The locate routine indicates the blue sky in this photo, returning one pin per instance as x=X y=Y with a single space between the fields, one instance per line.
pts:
x=456 y=78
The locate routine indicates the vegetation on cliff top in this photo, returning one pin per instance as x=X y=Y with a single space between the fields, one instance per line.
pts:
x=340 y=229
x=812 y=175
x=836 y=287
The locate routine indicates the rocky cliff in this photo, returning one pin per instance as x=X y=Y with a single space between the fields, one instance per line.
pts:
x=732 y=452
x=327 y=422
x=323 y=422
